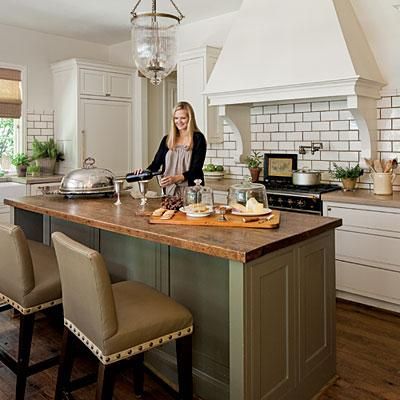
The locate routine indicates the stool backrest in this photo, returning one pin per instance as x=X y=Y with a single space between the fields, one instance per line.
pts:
x=16 y=270
x=86 y=289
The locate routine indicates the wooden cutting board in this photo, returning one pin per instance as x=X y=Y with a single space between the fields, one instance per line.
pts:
x=233 y=221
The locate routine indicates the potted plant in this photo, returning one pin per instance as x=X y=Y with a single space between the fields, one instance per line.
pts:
x=46 y=154
x=253 y=162
x=348 y=176
x=20 y=161
x=33 y=170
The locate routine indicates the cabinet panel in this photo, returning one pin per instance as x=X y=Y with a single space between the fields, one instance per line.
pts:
x=120 y=85
x=93 y=82
x=368 y=249
x=371 y=219
x=368 y=281
x=105 y=126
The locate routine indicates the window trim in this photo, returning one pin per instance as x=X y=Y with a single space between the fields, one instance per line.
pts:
x=21 y=137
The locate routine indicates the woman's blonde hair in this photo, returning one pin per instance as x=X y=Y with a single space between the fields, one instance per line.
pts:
x=191 y=127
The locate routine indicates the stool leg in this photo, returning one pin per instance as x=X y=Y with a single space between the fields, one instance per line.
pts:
x=66 y=363
x=184 y=359
x=138 y=374
x=24 y=350
x=105 y=381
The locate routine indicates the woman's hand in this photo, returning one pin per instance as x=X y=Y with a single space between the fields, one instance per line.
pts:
x=170 y=180
x=137 y=171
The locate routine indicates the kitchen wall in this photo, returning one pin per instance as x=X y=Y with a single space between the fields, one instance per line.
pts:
x=282 y=128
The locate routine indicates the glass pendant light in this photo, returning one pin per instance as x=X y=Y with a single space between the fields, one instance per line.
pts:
x=154 y=43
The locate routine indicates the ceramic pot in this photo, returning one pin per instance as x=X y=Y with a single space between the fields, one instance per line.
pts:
x=21 y=170
x=383 y=182
x=255 y=174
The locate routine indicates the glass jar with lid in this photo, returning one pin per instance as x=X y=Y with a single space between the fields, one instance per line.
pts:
x=198 y=194
x=248 y=198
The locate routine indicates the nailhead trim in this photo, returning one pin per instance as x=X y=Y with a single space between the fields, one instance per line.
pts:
x=109 y=359
x=30 y=310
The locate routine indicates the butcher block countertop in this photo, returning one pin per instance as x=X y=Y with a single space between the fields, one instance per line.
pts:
x=363 y=197
x=240 y=244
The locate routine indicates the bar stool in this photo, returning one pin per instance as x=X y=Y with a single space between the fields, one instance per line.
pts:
x=115 y=321
x=29 y=282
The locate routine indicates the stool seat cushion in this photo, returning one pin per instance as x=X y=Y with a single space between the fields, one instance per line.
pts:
x=143 y=314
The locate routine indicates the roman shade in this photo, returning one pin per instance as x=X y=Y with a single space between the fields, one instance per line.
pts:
x=10 y=93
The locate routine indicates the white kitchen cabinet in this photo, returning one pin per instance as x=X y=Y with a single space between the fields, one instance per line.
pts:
x=367 y=254
x=102 y=83
x=93 y=114
x=9 y=190
x=194 y=69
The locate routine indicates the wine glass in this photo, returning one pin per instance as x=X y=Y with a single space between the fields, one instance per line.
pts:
x=163 y=189
x=143 y=201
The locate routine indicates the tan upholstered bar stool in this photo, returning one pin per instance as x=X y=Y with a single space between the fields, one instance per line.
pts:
x=29 y=282
x=116 y=321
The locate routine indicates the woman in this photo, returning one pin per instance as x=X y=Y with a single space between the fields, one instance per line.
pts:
x=181 y=153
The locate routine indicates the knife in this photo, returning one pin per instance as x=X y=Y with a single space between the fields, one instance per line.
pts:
x=257 y=219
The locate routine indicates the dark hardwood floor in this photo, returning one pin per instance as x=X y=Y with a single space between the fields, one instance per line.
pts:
x=368 y=359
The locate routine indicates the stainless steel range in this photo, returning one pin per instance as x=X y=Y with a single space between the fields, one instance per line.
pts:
x=282 y=194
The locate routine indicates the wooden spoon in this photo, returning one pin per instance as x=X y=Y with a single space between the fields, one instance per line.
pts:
x=370 y=163
x=378 y=166
x=388 y=166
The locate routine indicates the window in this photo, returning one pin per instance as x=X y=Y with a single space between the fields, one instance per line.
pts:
x=10 y=114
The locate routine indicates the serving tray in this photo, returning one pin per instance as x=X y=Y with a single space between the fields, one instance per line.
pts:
x=233 y=221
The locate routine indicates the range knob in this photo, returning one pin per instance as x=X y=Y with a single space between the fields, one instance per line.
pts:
x=301 y=203
x=280 y=200
x=290 y=202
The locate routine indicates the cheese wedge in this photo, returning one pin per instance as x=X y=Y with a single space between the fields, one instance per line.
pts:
x=253 y=206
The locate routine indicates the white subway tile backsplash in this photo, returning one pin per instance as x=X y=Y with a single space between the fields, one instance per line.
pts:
x=285 y=108
x=320 y=106
x=337 y=104
x=320 y=126
x=384 y=102
x=329 y=155
x=329 y=135
x=297 y=117
x=339 y=145
x=257 y=128
x=311 y=136
x=312 y=116
x=386 y=123
x=278 y=117
x=302 y=126
x=264 y=137
x=302 y=107
x=283 y=128
x=270 y=127
x=270 y=109
x=340 y=125
x=286 y=146
x=278 y=136
x=293 y=136
x=33 y=117
x=286 y=127
x=348 y=135
x=395 y=101
x=329 y=115
x=262 y=119
x=349 y=156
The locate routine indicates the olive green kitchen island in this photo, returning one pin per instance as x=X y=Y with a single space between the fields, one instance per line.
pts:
x=263 y=300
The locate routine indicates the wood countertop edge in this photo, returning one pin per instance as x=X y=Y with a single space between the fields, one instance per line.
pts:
x=205 y=248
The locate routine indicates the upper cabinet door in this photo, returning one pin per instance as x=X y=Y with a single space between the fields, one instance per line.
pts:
x=120 y=85
x=93 y=82
x=105 y=84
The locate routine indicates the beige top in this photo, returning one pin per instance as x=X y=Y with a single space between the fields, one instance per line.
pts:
x=176 y=163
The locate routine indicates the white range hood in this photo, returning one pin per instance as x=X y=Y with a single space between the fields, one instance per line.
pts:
x=288 y=50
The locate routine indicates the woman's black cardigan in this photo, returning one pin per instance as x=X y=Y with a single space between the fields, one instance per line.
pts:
x=196 y=163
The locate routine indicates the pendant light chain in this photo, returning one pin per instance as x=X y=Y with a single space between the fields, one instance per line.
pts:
x=177 y=9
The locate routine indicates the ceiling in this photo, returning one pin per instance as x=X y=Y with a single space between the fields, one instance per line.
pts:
x=99 y=21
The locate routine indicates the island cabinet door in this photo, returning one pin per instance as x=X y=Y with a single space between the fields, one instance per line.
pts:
x=271 y=328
